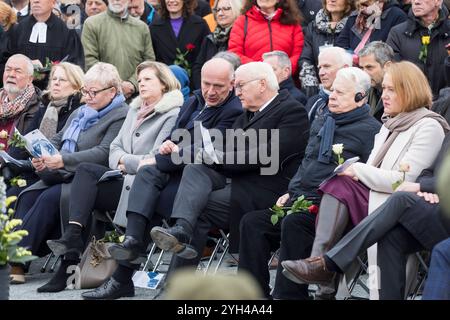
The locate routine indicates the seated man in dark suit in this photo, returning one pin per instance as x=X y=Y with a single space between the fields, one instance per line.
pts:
x=206 y=197
x=409 y=221
x=281 y=65
x=157 y=179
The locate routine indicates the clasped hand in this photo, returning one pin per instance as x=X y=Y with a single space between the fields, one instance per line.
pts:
x=50 y=162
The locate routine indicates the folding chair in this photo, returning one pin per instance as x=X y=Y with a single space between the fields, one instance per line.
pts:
x=47 y=261
x=422 y=273
x=152 y=251
x=222 y=247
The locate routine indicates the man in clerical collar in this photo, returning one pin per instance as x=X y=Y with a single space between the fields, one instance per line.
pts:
x=373 y=59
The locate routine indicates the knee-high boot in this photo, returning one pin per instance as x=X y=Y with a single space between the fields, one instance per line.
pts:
x=333 y=220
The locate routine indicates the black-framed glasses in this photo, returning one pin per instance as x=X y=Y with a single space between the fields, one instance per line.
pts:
x=223 y=9
x=93 y=93
x=239 y=86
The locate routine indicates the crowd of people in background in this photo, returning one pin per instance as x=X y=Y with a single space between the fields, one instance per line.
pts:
x=112 y=83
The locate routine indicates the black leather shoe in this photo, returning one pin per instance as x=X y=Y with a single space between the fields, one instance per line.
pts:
x=109 y=290
x=174 y=239
x=129 y=249
x=70 y=241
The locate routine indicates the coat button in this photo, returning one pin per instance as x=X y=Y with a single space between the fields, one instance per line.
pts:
x=127 y=188
x=137 y=134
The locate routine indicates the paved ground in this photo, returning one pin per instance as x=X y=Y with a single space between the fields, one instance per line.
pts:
x=36 y=279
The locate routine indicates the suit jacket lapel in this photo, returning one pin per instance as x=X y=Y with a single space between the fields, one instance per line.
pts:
x=263 y=113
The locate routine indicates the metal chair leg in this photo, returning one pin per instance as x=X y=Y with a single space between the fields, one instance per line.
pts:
x=52 y=268
x=47 y=261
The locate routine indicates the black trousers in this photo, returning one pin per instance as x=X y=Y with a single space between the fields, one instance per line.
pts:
x=87 y=195
x=395 y=242
x=259 y=237
x=145 y=191
x=203 y=199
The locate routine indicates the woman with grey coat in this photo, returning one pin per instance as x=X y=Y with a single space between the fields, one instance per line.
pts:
x=149 y=122
x=86 y=137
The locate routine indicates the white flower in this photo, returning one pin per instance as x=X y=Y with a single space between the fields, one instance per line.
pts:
x=2 y=146
x=404 y=167
x=21 y=183
x=3 y=134
x=338 y=148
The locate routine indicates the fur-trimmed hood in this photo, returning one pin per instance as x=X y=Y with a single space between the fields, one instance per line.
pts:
x=170 y=100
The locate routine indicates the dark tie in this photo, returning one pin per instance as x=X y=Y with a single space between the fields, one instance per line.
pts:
x=252 y=115
x=18 y=14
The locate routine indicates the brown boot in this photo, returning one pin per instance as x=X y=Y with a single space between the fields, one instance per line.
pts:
x=332 y=223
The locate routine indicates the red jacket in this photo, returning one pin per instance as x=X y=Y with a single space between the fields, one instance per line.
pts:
x=264 y=36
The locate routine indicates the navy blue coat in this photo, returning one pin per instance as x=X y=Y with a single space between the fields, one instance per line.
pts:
x=221 y=117
x=392 y=15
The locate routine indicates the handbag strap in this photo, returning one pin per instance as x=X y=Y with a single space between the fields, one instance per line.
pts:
x=364 y=40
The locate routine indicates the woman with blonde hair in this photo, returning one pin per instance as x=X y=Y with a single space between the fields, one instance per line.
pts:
x=60 y=100
x=149 y=121
x=225 y=13
x=407 y=143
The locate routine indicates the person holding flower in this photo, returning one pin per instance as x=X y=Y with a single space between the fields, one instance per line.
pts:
x=422 y=40
x=331 y=130
x=411 y=134
x=177 y=34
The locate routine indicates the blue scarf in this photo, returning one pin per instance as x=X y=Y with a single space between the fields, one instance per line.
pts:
x=86 y=118
x=332 y=120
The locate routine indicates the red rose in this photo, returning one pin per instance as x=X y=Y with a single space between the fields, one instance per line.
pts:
x=56 y=62
x=313 y=209
x=190 y=47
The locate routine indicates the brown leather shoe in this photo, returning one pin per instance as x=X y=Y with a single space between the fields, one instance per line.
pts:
x=311 y=270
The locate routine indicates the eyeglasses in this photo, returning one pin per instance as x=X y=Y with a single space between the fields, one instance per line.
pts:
x=92 y=93
x=223 y=9
x=239 y=86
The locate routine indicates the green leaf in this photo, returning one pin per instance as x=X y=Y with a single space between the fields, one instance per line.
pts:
x=274 y=219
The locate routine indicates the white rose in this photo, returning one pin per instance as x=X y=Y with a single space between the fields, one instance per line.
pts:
x=3 y=134
x=2 y=146
x=404 y=167
x=338 y=148
x=21 y=183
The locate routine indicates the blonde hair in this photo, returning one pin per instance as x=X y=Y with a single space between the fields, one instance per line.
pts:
x=410 y=85
x=73 y=72
x=162 y=72
x=7 y=16
x=106 y=74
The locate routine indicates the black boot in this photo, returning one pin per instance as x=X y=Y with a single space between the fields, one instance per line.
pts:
x=59 y=281
x=71 y=241
x=174 y=239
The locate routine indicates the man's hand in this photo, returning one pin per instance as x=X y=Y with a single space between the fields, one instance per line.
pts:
x=409 y=187
x=127 y=88
x=38 y=164
x=145 y=162
x=53 y=162
x=168 y=147
x=349 y=172
x=429 y=197
x=282 y=200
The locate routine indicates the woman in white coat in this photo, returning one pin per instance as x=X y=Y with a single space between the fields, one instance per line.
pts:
x=407 y=143
x=150 y=120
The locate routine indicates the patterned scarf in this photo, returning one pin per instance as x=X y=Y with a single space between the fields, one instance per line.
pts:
x=49 y=123
x=369 y=17
x=323 y=23
x=10 y=109
x=221 y=35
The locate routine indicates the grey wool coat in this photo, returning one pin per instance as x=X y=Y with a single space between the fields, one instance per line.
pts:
x=92 y=146
x=134 y=144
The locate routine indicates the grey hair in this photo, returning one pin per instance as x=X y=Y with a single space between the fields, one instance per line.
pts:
x=106 y=74
x=359 y=79
x=381 y=51
x=342 y=56
x=260 y=70
x=231 y=57
x=283 y=58
x=235 y=5
x=30 y=67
